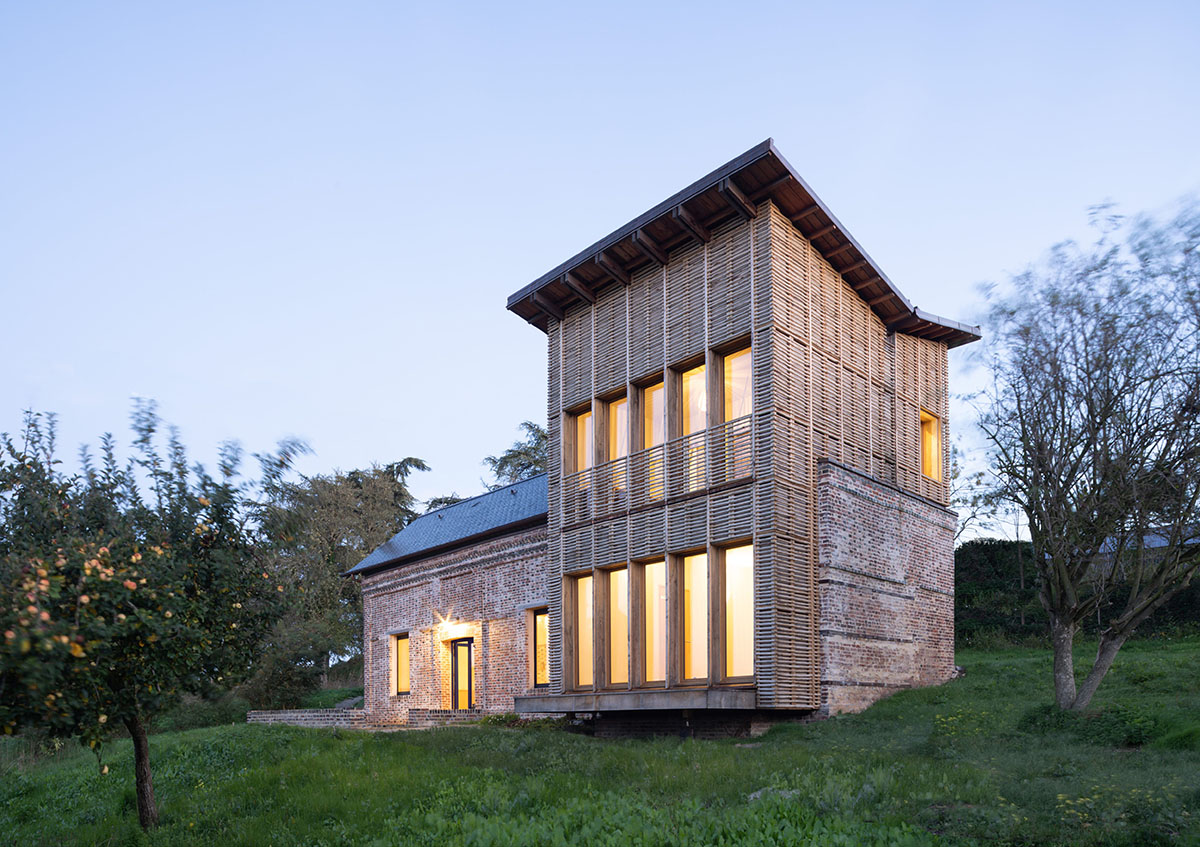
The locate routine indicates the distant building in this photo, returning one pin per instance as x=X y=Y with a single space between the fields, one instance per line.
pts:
x=745 y=512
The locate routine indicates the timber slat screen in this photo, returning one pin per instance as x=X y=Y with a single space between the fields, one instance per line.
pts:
x=828 y=380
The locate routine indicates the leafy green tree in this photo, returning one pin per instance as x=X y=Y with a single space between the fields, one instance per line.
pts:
x=524 y=459
x=1094 y=422
x=319 y=527
x=126 y=586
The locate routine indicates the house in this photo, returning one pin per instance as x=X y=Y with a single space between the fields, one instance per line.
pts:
x=746 y=511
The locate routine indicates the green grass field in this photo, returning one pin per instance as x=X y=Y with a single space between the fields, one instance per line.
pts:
x=980 y=759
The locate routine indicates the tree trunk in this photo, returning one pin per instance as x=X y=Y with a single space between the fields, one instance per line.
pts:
x=147 y=807
x=1062 y=638
x=1109 y=645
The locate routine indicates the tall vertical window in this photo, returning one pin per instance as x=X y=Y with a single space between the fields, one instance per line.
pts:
x=695 y=616
x=654 y=424
x=694 y=407
x=618 y=438
x=739 y=401
x=400 y=671
x=583 y=632
x=739 y=611
x=695 y=401
x=656 y=621
x=584 y=449
x=618 y=429
x=541 y=654
x=931 y=446
x=618 y=626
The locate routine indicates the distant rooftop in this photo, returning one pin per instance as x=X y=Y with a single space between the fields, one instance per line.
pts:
x=522 y=503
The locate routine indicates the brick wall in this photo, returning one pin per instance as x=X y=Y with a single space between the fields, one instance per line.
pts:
x=484 y=591
x=886 y=579
x=322 y=718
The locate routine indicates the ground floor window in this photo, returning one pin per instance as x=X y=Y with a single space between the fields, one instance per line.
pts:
x=400 y=663
x=738 y=607
x=462 y=691
x=541 y=655
x=618 y=626
x=694 y=579
x=584 y=636
x=655 y=621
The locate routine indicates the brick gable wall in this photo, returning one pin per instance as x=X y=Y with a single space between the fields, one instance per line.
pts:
x=886 y=575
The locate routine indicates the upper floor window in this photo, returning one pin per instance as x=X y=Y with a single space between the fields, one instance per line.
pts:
x=931 y=446
x=654 y=419
x=582 y=443
x=739 y=401
x=541 y=642
x=618 y=428
x=694 y=403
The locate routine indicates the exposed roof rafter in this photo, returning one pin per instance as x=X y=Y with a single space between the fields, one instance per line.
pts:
x=688 y=221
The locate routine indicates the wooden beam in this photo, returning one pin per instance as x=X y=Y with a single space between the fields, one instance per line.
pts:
x=548 y=308
x=736 y=198
x=689 y=222
x=804 y=213
x=650 y=248
x=771 y=186
x=581 y=288
x=849 y=245
x=612 y=267
x=853 y=267
x=860 y=286
x=875 y=301
x=825 y=230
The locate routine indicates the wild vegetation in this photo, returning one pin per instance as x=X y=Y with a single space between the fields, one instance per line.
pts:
x=986 y=758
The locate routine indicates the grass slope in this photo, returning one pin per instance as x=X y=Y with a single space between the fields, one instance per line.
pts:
x=979 y=759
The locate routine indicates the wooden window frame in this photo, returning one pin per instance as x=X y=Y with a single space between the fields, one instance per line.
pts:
x=676 y=637
x=533 y=645
x=396 y=638
x=602 y=627
x=570 y=646
x=717 y=555
x=924 y=415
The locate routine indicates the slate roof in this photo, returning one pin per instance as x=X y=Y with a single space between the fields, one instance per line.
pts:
x=520 y=503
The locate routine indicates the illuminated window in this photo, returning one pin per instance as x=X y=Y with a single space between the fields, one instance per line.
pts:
x=656 y=621
x=695 y=419
x=583 y=441
x=695 y=616
x=931 y=446
x=739 y=611
x=541 y=655
x=400 y=665
x=618 y=429
x=618 y=438
x=583 y=632
x=695 y=401
x=654 y=424
x=618 y=626
x=739 y=401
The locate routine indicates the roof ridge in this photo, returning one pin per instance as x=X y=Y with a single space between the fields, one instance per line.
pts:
x=475 y=497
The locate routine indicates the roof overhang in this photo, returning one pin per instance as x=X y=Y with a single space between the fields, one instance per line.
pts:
x=733 y=190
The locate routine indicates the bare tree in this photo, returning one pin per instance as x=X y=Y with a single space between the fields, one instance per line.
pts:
x=1094 y=422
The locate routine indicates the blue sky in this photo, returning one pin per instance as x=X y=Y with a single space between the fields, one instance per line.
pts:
x=304 y=219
